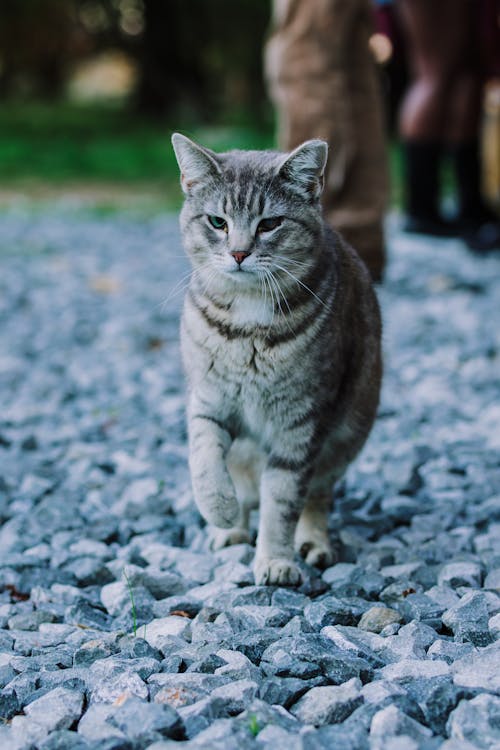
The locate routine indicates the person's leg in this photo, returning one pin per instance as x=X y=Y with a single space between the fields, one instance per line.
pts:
x=476 y=221
x=323 y=83
x=423 y=116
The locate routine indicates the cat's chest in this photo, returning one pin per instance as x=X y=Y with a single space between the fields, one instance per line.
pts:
x=233 y=344
x=248 y=311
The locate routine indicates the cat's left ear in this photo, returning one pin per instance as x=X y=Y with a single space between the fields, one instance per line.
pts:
x=197 y=164
x=305 y=166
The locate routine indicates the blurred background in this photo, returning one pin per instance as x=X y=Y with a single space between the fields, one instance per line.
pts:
x=90 y=91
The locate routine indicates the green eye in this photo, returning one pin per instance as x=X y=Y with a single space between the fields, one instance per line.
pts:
x=218 y=223
x=267 y=225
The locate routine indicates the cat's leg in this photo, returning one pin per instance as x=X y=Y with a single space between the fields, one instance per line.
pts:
x=213 y=489
x=281 y=502
x=244 y=463
x=311 y=536
x=312 y=540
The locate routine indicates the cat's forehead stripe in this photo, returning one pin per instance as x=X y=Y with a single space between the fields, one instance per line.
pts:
x=244 y=193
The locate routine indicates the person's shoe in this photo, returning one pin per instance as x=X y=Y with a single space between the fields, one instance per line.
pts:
x=481 y=230
x=484 y=238
x=433 y=226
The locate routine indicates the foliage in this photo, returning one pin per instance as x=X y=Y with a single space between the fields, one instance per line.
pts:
x=68 y=142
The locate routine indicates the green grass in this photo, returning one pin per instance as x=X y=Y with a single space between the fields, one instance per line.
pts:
x=94 y=143
x=46 y=148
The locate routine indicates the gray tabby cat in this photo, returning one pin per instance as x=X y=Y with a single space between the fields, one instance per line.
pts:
x=280 y=339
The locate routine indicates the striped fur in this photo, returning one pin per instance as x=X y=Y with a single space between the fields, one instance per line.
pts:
x=282 y=353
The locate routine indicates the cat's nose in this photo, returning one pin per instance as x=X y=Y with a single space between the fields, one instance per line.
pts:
x=240 y=256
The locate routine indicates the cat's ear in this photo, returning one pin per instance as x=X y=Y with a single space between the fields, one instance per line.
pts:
x=304 y=167
x=197 y=164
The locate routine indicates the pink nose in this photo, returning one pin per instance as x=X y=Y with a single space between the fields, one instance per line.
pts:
x=240 y=256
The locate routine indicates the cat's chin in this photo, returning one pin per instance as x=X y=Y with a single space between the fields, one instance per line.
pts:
x=240 y=279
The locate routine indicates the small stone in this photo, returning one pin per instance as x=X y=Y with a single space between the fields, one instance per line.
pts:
x=404 y=570
x=443 y=595
x=460 y=573
x=476 y=721
x=83 y=614
x=95 y=727
x=277 y=737
x=135 y=499
x=118 y=598
x=134 y=647
x=469 y=619
x=494 y=626
x=492 y=580
x=410 y=669
x=391 y=722
x=285 y=691
x=9 y=704
x=449 y=651
x=183 y=689
x=376 y=619
x=254 y=644
x=57 y=709
x=330 y=704
x=89 y=571
x=144 y=722
x=309 y=655
x=382 y=693
x=293 y=601
x=251 y=617
x=339 y=574
x=91 y=651
x=235 y=696
x=199 y=716
x=236 y=666
x=356 y=642
x=456 y=744
x=478 y=670
x=160 y=629
x=331 y=610
x=64 y=740
x=30 y=620
x=401 y=507
x=235 y=572
x=163 y=583
x=397 y=591
x=422 y=608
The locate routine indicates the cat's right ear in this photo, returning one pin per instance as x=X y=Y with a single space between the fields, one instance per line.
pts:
x=197 y=164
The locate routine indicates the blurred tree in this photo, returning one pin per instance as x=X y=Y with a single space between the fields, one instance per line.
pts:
x=36 y=39
x=202 y=57
x=198 y=58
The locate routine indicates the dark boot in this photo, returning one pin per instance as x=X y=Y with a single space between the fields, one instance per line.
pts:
x=422 y=162
x=478 y=224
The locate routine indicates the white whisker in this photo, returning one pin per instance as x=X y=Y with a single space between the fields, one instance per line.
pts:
x=298 y=281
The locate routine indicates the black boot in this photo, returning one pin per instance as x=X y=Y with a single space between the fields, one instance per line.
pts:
x=422 y=161
x=478 y=224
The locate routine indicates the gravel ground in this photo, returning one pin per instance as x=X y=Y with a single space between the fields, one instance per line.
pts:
x=120 y=630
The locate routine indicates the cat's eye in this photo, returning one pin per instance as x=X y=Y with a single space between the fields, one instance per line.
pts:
x=267 y=225
x=218 y=222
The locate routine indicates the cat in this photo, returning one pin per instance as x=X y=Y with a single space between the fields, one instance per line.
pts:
x=280 y=339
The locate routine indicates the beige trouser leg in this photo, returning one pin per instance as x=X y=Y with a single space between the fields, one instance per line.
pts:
x=323 y=82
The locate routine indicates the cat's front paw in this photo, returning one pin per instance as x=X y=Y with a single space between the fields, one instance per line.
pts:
x=276 y=571
x=320 y=554
x=315 y=547
x=220 y=538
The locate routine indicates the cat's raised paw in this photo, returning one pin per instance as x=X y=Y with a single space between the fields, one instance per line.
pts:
x=222 y=511
x=276 y=572
x=220 y=538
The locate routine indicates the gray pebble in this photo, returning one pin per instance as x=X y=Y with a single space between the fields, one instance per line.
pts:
x=331 y=704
